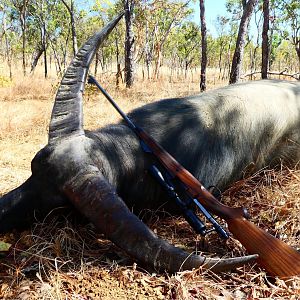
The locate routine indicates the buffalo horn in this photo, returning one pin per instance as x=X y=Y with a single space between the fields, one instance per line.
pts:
x=94 y=197
x=67 y=115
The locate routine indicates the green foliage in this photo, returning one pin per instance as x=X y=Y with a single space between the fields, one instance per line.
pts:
x=184 y=43
x=4 y=246
x=5 y=82
x=235 y=8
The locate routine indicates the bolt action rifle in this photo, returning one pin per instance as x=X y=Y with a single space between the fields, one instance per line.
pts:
x=275 y=256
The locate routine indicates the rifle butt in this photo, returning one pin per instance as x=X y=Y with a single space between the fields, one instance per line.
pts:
x=278 y=258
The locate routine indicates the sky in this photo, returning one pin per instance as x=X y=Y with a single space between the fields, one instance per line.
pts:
x=213 y=8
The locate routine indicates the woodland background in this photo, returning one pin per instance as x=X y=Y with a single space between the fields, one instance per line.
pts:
x=158 y=35
x=158 y=51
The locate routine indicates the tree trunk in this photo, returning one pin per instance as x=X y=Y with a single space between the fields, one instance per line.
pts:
x=22 y=9
x=64 y=50
x=147 y=50
x=74 y=35
x=265 y=40
x=71 y=11
x=58 y=60
x=96 y=63
x=24 y=48
x=222 y=48
x=7 y=47
x=36 y=56
x=129 y=42
x=119 y=72
x=43 y=33
x=157 y=60
x=203 y=47
x=258 y=25
x=240 y=42
x=296 y=42
x=298 y=54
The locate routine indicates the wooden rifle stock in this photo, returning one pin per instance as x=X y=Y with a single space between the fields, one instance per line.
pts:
x=275 y=256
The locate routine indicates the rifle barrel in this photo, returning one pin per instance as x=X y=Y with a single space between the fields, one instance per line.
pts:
x=92 y=80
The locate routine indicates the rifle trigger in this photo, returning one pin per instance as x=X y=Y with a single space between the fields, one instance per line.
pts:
x=215 y=191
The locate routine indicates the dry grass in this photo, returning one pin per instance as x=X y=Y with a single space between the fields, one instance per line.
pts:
x=62 y=258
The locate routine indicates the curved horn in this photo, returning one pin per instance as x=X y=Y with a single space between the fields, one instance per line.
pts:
x=93 y=196
x=67 y=116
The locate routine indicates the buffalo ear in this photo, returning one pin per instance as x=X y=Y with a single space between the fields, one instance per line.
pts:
x=17 y=206
x=28 y=203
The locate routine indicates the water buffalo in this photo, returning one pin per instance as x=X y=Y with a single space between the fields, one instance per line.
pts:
x=217 y=135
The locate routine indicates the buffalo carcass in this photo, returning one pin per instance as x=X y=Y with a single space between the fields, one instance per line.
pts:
x=217 y=136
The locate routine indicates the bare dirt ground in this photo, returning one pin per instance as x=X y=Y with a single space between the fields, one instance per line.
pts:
x=62 y=258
